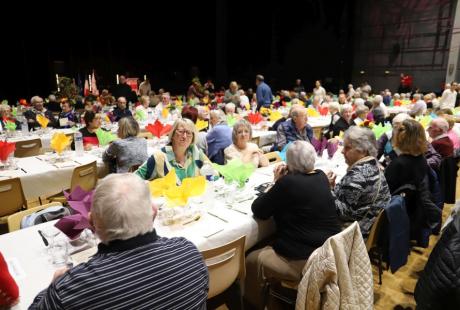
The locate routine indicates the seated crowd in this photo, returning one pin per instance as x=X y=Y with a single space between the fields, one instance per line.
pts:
x=306 y=204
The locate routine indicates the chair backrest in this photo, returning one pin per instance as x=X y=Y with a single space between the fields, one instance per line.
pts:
x=84 y=176
x=373 y=237
x=145 y=135
x=11 y=197
x=14 y=220
x=255 y=140
x=225 y=265
x=28 y=148
x=273 y=157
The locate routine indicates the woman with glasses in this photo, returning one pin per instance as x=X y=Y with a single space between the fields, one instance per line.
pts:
x=243 y=149
x=181 y=154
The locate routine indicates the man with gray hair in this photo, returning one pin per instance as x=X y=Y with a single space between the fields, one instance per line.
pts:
x=263 y=93
x=295 y=128
x=133 y=268
x=441 y=142
x=38 y=109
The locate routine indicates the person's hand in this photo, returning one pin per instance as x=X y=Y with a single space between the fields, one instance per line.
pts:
x=280 y=171
x=58 y=273
x=331 y=176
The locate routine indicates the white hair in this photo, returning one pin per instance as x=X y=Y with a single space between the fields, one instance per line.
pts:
x=122 y=203
x=441 y=123
x=346 y=107
x=230 y=106
x=396 y=95
x=399 y=118
x=220 y=115
x=35 y=99
x=378 y=98
x=358 y=101
x=334 y=106
x=300 y=157
x=361 y=139
x=417 y=96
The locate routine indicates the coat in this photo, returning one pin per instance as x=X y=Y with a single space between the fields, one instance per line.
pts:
x=338 y=275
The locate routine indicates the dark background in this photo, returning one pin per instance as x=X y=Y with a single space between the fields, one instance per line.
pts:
x=223 y=40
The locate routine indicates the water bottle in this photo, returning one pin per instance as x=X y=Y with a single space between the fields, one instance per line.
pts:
x=208 y=172
x=25 y=126
x=78 y=138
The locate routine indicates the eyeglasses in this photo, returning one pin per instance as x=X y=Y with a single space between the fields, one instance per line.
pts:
x=181 y=132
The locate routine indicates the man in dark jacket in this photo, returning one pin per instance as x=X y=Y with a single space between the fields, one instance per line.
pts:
x=439 y=284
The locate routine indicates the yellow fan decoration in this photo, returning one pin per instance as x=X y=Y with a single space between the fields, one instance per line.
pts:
x=59 y=142
x=159 y=186
x=247 y=106
x=179 y=195
x=312 y=112
x=165 y=112
x=206 y=100
x=264 y=111
x=275 y=115
x=201 y=124
x=43 y=121
x=106 y=118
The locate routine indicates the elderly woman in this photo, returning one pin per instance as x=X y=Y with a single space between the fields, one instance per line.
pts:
x=303 y=208
x=129 y=150
x=343 y=122
x=145 y=106
x=181 y=154
x=219 y=137
x=5 y=116
x=361 y=114
x=243 y=149
x=363 y=191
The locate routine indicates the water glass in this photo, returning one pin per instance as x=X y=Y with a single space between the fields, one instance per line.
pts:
x=60 y=252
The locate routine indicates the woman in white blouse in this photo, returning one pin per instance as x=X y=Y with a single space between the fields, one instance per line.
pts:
x=243 y=149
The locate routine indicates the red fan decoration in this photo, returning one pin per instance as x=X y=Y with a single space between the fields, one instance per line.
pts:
x=254 y=118
x=323 y=111
x=6 y=148
x=158 y=129
x=23 y=102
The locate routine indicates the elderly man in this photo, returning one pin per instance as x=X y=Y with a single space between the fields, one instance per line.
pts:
x=295 y=128
x=232 y=94
x=121 y=110
x=133 y=268
x=441 y=141
x=263 y=93
x=419 y=107
x=38 y=108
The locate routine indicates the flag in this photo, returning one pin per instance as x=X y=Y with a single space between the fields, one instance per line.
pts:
x=94 y=90
x=86 y=89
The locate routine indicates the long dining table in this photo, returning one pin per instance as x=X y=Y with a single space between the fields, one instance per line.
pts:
x=218 y=223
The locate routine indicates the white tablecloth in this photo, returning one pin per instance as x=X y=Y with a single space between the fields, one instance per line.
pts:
x=33 y=270
x=45 y=138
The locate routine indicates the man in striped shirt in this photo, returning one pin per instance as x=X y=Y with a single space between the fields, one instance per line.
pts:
x=133 y=268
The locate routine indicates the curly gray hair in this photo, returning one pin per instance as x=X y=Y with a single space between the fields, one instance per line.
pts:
x=361 y=139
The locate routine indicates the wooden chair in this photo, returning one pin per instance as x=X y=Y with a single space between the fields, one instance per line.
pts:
x=84 y=176
x=273 y=157
x=145 y=135
x=225 y=264
x=256 y=140
x=11 y=197
x=14 y=220
x=28 y=148
x=372 y=246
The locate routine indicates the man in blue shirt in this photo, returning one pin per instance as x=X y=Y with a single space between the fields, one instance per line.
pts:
x=263 y=93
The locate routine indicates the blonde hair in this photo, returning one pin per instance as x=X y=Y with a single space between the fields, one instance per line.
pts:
x=127 y=127
x=410 y=138
x=187 y=124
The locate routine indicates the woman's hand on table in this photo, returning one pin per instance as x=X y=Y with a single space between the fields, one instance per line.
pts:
x=331 y=176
